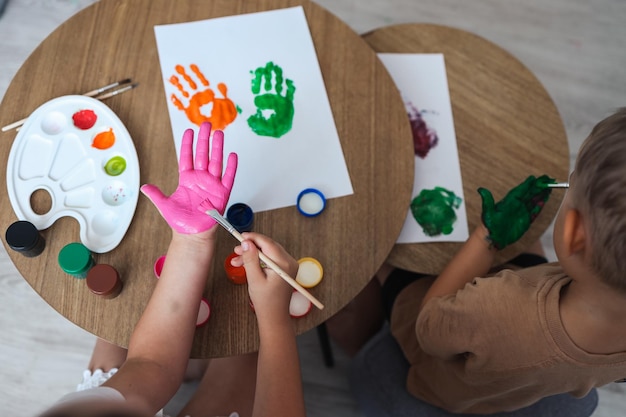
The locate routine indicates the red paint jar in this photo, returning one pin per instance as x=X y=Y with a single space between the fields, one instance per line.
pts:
x=236 y=274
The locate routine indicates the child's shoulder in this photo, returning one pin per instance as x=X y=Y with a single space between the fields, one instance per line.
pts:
x=516 y=286
x=535 y=276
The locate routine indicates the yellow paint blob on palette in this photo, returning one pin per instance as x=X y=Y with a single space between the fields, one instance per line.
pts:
x=77 y=150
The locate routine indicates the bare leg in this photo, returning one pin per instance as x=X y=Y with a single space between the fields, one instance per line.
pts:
x=358 y=321
x=195 y=369
x=227 y=385
x=106 y=356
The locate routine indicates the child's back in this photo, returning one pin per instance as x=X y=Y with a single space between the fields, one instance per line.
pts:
x=483 y=345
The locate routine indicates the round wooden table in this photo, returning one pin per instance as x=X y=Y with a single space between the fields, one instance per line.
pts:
x=507 y=127
x=113 y=40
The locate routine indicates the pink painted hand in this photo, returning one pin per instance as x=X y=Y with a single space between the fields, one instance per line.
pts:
x=197 y=181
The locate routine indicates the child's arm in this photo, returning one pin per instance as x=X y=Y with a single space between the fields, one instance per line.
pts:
x=279 y=383
x=473 y=260
x=502 y=224
x=161 y=342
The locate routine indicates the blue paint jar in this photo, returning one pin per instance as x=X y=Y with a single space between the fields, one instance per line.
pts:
x=241 y=216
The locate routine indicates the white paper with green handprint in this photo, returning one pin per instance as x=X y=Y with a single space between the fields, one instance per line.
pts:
x=275 y=110
x=264 y=65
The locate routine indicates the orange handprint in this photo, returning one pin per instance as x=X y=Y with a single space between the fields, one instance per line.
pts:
x=221 y=111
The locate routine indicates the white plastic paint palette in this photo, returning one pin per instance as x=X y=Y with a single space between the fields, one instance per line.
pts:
x=79 y=152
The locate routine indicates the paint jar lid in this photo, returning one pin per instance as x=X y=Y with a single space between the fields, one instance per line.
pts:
x=310 y=272
x=75 y=258
x=158 y=266
x=104 y=280
x=204 y=312
x=22 y=236
x=241 y=216
x=311 y=202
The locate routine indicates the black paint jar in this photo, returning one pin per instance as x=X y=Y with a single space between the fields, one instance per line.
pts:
x=23 y=237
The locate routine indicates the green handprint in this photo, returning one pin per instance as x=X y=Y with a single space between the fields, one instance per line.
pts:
x=434 y=210
x=510 y=218
x=281 y=107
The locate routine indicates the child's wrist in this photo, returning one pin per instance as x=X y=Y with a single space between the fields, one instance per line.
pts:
x=194 y=246
x=207 y=237
x=274 y=320
x=481 y=233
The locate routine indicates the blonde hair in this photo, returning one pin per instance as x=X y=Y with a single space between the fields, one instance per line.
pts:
x=599 y=192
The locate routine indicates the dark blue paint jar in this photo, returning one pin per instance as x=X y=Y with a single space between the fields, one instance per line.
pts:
x=23 y=237
x=241 y=216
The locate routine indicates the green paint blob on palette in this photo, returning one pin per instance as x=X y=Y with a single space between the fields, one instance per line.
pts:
x=115 y=166
x=76 y=149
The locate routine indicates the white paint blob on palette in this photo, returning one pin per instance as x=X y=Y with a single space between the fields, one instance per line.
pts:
x=77 y=150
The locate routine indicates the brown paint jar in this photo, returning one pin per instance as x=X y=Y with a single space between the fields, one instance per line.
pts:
x=104 y=280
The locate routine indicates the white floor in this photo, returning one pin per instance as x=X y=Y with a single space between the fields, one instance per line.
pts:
x=575 y=47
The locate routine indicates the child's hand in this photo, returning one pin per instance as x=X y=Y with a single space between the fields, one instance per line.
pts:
x=510 y=218
x=197 y=181
x=269 y=293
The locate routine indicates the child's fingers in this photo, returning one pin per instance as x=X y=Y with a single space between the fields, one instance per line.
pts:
x=202 y=147
x=154 y=194
x=266 y=245
x=228 y=178
x=250 y=258
x=237 y=261
x=217 y=154
x=185 y=162
x=274 y=251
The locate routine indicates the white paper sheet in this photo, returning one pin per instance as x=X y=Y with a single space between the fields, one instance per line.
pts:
x=272 y=170
x=422 y=81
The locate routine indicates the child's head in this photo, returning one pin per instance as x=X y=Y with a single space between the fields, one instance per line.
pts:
x=598 y=192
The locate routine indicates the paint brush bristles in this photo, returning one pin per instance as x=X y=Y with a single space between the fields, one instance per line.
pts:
x=231 y=229
x=97 y=91
x=559 y=185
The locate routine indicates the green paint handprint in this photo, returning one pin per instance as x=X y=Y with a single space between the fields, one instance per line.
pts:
x=434 y=210
x=274 y=115
x=508 y=219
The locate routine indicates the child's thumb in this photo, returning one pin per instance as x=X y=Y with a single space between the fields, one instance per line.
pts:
x=250 y=257
x=154 y=194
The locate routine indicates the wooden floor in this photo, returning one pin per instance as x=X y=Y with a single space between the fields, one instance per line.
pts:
x=575 y=47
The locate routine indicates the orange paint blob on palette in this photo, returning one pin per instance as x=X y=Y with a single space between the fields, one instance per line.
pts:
x=90 y=173
x=104 y=140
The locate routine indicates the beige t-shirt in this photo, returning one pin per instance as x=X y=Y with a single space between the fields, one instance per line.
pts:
x=496 y=345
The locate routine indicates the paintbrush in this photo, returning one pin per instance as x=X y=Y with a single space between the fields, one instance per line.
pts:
x=231 y=229
x=558 y=185
x=97 y=94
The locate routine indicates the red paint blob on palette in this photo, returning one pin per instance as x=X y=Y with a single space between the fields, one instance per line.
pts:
x=104 y=140
x=84 y=119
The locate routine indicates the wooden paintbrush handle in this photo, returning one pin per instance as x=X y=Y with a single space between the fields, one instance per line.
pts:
x=290 y=280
